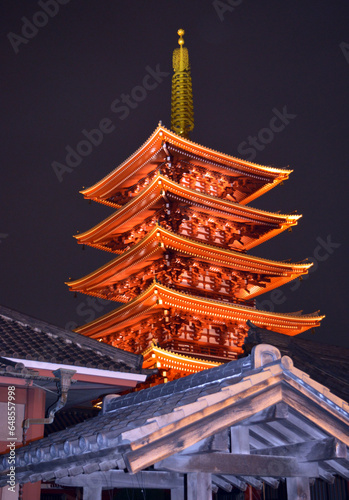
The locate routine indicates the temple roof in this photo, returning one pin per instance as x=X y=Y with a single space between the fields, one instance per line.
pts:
x=154 y=152
x=283 y=410
x=34 y=350
x=158 y=296
x=148 y=200
x=158 y=240
x=29 y=339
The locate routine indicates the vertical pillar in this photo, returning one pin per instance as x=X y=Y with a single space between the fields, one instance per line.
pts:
x=31 y=491
x=240 y=444
x=5 y=494
x=298 y=488
x=240 y=440
x=199 y=486
x=35 y=408
x=177 y=493
x=248 y=493
x=92 y=493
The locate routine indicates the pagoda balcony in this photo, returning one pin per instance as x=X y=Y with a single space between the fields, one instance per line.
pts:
x=201 y=179
x=199 y=279
x=227 y=235
x=198 y=350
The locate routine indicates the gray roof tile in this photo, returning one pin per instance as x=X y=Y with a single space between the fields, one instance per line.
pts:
x=185 y=385
x=26 y=338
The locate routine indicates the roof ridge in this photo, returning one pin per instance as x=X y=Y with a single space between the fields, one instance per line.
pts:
x=234 y=158
x=208 y=376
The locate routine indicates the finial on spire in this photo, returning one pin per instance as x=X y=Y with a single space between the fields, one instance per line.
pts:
x=180 y=33
x=182 y=111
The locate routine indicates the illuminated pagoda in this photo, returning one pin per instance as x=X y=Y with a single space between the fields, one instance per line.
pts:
x=180 y=235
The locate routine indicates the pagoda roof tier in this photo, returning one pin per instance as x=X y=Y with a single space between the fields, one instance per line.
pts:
x=158 y=297
x=164 y=143
x=159 y=240
x=153 y=197
x=157 y=357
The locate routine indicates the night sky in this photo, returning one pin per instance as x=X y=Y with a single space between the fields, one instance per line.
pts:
x=250 y=60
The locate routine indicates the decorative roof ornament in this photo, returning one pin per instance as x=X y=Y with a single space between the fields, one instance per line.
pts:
x=182 y=110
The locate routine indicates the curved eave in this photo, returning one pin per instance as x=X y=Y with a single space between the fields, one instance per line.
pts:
x=171 y=358
x=126 y=259
x=160 y=297
x=105 y=186
x=153 y=192
x=157 y=237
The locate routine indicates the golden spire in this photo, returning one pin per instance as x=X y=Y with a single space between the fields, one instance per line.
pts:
x=182 y=110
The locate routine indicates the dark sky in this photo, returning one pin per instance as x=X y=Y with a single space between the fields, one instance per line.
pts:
x=250 y=61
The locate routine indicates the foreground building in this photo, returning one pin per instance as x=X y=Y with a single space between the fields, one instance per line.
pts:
x=257 y=420
x=180 y=235
x=44 y=368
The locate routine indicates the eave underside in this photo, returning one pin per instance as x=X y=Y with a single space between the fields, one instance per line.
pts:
x=172 y=258
x=245 y=227
x=159 y=298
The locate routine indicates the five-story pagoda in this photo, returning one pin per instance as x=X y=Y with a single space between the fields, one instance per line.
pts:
x=180 y=234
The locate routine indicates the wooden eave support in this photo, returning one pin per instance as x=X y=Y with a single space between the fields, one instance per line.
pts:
x=238 y=483
x=121 y=479
x=310 y=451
x=339 y=468
x=239 y=465
x=326 y=476
x=222 y=483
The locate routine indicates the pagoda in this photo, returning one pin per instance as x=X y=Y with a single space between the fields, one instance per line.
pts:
x=179 y=236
